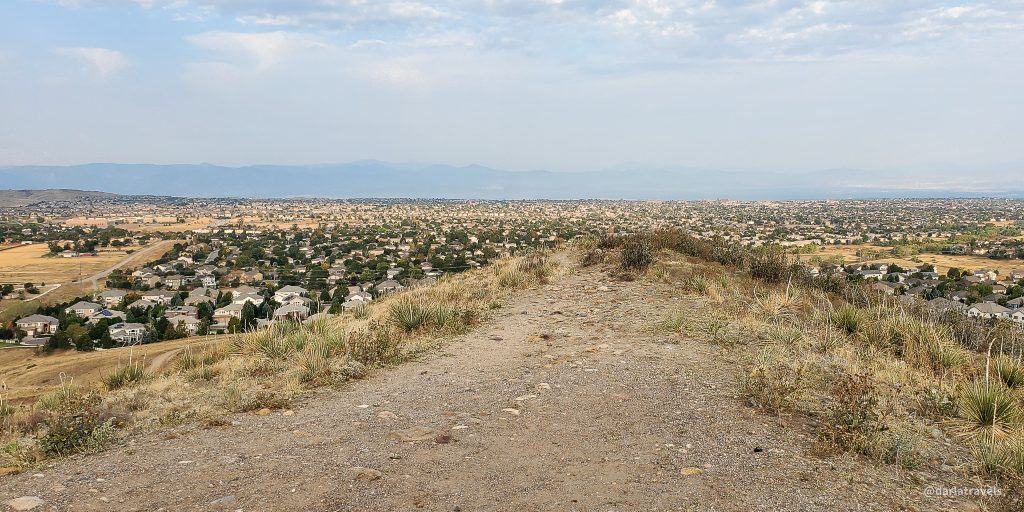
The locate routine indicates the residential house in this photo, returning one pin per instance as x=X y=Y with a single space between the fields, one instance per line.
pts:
x=189 y=323
x=988 y=310
x=296 y=312
x=159 y=296
x=176 y=281
x=253 y=298
x=289 y=290
x=388 y=286
x=1018 y=316
x=251 y=276
x=38 y=325
x=127 y=332
x=111 y=298
x=84 y=309
x=105 y=314
x=985 y=274
x=222 y=316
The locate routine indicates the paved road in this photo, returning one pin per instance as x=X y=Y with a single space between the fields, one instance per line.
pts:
x=153 y=250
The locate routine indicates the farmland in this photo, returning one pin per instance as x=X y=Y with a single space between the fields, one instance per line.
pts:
x=32 y=264
x=864 y=253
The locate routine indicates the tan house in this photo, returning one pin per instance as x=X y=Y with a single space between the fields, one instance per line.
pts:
x=37 y=325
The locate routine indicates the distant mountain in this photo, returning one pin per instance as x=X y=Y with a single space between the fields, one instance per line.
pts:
x=388 y=180
x=12 y=198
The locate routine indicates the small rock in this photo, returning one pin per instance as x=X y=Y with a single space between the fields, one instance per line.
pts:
x=603 y=288
x=444 y=439
x=690 y=471
x=366 y=474
x=513 y=412
x=289 y=412
x=387 y=415
x=25 y=503
x=758 y=449
x=543 y=385
x=525 y=398
x=225 y=502
x=263 y=412
x=413 y=434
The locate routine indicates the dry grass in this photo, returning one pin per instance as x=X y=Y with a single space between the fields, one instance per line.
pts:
x=942 y=262
x=270 y=368
x=880 y=377
x=30 y=264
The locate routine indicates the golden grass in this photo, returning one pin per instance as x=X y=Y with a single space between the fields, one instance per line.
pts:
x=29 y=264
x=942 y=262
x=880 y=378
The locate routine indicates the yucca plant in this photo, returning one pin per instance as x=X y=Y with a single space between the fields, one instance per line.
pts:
x=1009 y=371
x=407 y=314
x=987 y=410
x=124 y=375
x=847 y=318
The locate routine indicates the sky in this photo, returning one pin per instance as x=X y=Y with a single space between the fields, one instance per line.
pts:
x=907 y=86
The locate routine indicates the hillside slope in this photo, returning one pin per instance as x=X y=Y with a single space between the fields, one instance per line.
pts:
x=566 y=400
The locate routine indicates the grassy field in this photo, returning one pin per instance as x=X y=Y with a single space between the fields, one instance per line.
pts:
x=942 y=262
x=29 y=264
x=27 y=374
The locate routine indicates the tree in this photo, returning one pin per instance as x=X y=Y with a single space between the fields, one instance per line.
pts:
x=248 y=320
x=954 y=273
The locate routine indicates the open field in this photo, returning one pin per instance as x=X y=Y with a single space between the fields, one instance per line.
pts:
x=172 y=227
x=27 y=374
x=942 y=262
x=91 y=282
x=29 y=264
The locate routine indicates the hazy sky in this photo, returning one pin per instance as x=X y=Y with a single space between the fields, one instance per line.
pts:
x=518 y=84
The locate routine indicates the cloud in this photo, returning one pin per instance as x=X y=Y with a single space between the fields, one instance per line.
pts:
x=626 y=33
x=263 y=49
x=103 y=61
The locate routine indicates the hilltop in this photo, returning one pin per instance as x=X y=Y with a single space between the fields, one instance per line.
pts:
x=571 y=396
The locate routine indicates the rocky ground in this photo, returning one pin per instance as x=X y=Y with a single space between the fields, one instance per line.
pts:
x=566 y=400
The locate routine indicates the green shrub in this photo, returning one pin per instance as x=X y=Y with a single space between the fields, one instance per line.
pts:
x=408 y=314
x=123 y=375
x=987 y=410
x=770 y=263
x=76 y=424
x=1009 y=370
x=636 y=253
x=772 y=383
x=847 y=318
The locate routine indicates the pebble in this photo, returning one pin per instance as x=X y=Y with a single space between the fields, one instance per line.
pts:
x=224 y=501
x=366 y=474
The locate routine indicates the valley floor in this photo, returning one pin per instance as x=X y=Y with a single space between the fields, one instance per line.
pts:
x=566 y=400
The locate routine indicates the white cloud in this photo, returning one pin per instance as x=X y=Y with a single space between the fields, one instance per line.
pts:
x=103 y=61
x=263 y=49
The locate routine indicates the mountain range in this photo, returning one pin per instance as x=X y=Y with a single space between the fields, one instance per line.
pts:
x=389 y=180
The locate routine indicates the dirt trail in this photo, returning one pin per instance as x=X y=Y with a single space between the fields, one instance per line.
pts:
x=567 y=400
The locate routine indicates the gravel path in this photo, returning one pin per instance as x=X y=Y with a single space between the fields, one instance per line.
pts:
x=567 y=400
